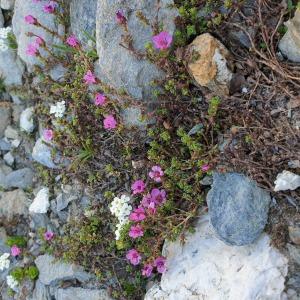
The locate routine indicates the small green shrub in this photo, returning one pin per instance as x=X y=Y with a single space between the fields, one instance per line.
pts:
x=19 y=241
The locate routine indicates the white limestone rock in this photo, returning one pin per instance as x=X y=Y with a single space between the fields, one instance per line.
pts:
x=286 y=181
x=41 y=202
x=206 y=268
x=7 y=4
x=26 y=120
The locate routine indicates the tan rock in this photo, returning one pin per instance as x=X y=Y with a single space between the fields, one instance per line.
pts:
x=13 y=204
x=208 y=64
x=290 y=43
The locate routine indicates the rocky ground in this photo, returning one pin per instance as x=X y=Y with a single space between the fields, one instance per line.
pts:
x=246 y=239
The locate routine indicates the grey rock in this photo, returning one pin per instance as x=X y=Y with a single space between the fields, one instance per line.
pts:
x=4 y=170
x=11 y=68
x=5 y=115
x=41 y=292
x=39 y=221
x=1 y=19
x=83 y=18
x=21 y=178
x=81 y=294
x=9 y=159
x=13 y=203
x=7 y=4
x=238 y=208
x=3 y=236
x=4 y=145
x=17 y=110
x=11 y=133
x=289 y=45
x=132 y=117
x=294 y=252
x=58 y=72
x=117 y=66
x=21 y=28
x=62 y=201
x=42 y=154
x=52 y=271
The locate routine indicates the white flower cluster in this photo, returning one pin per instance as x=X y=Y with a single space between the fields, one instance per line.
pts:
x=59 y=109
x=11 y=282
x=121 y=210
x=3 y=36
x=4 y=261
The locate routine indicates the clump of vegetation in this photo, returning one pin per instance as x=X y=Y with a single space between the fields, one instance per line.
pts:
x=29 y=272
x=19 y=241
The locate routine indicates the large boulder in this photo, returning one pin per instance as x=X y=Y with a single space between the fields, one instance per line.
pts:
x=52 y=271
x=238 y=208
x=290 y=43
x=206 y=268
x=83 y=18
x=21 y=28
x=117 y=66
x=210 y=68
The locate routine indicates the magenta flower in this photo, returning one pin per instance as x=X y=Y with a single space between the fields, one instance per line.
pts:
x=32 y=50
x=205 y=168
x=48 y=235
x=100 y=99
x=30 y=19
x=158 y=196
x=48 y=135
x=39 y=41
x=89 y=77
x=156 y=173
x=162 y=41
x=134 y=257
x=120 y=17
x=136 y=231
x=50 y=7
x=147 y=270
x=151 y=208
x=138 y=187
x=138 y=215
x=72 y=41
x=110 y=122
x=15 y=250
x=160 y=264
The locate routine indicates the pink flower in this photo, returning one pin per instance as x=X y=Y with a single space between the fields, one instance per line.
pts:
x=48 y=134
x=147 y=270
x=30 y=19
x=72 y=41
x=156 y=173
x=162 y=41
x=89 y=77
x=158 y=196
x=48 y=235
x=110 y=122
x=39 y=41
x=138 y=187
x=152 y=209
x=134 y=257
x=120 y=17
x=136 y=231
x=160 y=264
x=50 y=7
x=100 y=99
x=32 y=50
x=205 y=168
x=15 y=250
x=138 y=215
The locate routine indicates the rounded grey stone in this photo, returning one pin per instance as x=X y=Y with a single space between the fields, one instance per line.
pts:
x=238 y=208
